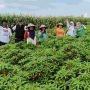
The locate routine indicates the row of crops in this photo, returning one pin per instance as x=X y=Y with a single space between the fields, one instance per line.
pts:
x=58 y=64
x=49 y=21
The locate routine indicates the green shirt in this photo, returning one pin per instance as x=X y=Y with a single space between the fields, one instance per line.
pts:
x=81 y=31
x=1 y=27
x=42 y=37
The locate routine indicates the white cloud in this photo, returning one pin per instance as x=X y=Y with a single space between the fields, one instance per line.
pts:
x=45 y=7
x=22 y=6
x=28 y=0
x=87 y=0
x=2 y=6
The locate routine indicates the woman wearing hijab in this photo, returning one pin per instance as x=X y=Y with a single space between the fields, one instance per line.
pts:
x=71 y=29
x=80 y=29
x=30 y=34
x=42 y=34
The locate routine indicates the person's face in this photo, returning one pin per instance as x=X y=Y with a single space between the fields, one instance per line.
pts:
x=78 y=24
x=60 y=26
x=5 y=24
x=43 y=29
x=71 y=24
x=31 y=28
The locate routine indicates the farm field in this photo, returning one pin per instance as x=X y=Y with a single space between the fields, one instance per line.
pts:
x=58 y=64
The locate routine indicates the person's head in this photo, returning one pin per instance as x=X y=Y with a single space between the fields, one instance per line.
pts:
x=59 y=25
x=72 y=23
x=43 y=27
x=31 y=27
x=5 y=23
x=78 y=24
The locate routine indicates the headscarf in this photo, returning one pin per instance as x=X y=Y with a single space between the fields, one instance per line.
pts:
x=31 y=34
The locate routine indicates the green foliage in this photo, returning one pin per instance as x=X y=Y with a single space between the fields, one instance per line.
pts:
x=50 y=22
x=57 y=64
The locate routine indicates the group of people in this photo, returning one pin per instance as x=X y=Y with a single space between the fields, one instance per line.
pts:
x=30 y=36
x=27 y=32
x=72 y=30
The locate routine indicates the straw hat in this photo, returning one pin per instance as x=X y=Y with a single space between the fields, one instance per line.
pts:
x=30 y=25
x=42 y=26
x=60 y=24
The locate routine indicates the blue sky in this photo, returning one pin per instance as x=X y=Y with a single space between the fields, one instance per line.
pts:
x=45 y=7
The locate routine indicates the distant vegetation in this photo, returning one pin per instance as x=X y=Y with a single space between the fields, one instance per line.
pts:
x=49 y=21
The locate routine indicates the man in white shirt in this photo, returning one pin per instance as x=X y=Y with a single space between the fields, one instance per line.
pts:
x=5 y=33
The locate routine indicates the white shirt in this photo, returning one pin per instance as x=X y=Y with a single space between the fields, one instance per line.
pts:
x=5 y=34
x=71 y=30
x=30 y=40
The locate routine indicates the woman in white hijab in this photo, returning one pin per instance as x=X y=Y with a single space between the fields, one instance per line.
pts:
x=71 y=29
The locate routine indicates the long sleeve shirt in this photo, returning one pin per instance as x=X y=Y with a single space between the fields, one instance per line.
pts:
x=42 y=37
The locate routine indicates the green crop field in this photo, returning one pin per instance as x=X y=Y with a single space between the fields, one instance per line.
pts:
x=57 y=64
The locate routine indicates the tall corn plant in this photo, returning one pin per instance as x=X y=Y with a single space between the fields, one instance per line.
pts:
x=50 y=22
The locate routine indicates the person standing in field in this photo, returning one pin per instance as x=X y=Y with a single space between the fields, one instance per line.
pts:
x=80 y=29
x=5 y=33
x=42 y=34
x=71 y=29
x=19 y=32
x=59 y=31
x=29 y=34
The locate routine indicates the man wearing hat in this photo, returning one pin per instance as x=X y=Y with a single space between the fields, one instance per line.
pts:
x=30 y=34
x=59 y=31
x=42 y=35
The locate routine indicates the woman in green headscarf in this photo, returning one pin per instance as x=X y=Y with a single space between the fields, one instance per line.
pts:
x=80 y=29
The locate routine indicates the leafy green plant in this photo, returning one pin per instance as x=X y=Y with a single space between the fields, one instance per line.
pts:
x=57 y=64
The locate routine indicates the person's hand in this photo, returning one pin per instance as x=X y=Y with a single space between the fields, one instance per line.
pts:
x=12 y=25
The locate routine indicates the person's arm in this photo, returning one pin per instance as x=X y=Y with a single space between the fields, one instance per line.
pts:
x=14 y=28
x=25 y=28
x=84 y=27
x=10 y=33
x=67 y=24
x=0 y=29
